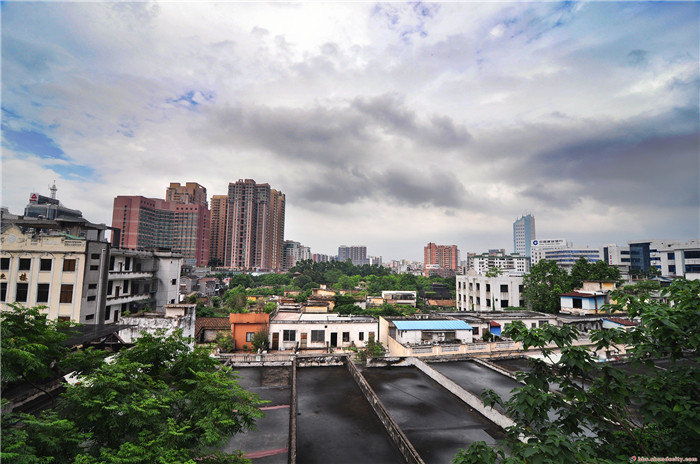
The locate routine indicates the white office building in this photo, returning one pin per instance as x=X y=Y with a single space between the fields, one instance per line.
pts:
x=477 y=292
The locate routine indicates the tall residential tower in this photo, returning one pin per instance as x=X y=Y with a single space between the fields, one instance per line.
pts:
x=254 y=226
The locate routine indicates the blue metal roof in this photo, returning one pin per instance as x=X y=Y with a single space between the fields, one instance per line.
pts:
x=432 y=325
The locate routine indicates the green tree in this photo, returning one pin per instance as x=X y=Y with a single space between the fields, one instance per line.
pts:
x=584 y=270
x=618 y=414
x=160 y=402
x=543 y=286
x=261 y=340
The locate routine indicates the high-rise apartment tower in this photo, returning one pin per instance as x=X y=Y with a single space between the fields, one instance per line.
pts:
x=254 y=226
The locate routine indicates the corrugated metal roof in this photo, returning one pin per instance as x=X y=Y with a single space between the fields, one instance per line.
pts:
x=432 y=325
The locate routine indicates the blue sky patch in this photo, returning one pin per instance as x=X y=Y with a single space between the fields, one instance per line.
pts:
x=36 y=143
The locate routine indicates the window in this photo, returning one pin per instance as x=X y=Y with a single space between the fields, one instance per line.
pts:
x=578 y=303
x=371 y=336
x=94 y=267
x=173 y=282
x=21 y=294
x=25 y=264
x=91 y=298
x=672 y=269
x=66 y=293
x=126 y=286
x=488 y=303
x=475 y=331
x=45 y=264
x=289 y=335
x=318 y=336
x=361 y=336
x=543 y=323
x=504 y=288
x=346 y=337
x=89 y=317
x=692 y=254
x=4 y=264
x=3 y=291
x=69 y=265
x=533 y=325
x=109 y=288
x=92 y=286
x=488 y=287
x=249 y=336
x=95 y=256
x=108 y=312
x=42 y=293
x=127 y=264
x=504 y=303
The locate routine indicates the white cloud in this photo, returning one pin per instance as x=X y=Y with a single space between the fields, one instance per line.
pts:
x=389 y=125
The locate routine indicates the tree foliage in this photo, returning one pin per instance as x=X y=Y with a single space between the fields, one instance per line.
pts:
x=160 y=402
x=547 y=281
x=602 y=413
x=543 y=285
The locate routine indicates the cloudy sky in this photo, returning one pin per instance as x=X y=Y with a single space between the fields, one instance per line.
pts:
x=388 y=125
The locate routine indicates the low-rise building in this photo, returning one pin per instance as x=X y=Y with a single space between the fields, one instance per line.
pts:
x=176 y=317
x=424 y=335
x=402 y=297
x=582 y=303
x=245 y=325
x=297 y=331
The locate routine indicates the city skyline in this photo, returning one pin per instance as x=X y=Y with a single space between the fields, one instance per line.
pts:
x=385 y=125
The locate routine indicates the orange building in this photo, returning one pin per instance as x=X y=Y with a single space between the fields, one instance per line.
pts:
x=244 y=326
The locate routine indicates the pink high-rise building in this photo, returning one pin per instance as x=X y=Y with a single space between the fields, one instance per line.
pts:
x=142 y=223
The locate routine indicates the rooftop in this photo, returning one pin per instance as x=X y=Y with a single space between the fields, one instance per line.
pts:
x=432 y=325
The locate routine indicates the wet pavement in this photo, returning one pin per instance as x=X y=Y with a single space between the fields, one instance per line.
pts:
x=335 y=424
x=269 y=443
x=434 y=420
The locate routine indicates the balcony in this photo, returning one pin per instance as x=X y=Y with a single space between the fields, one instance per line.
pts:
x=127 y=299
x=129 y=275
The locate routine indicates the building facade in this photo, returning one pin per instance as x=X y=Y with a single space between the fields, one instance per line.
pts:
x=562 y=252
x=141 y=280
x=254 y=226
x=523 y=234
x=189 y=194
x=217 y=229
x=68 y=266
x=59 y=264
x=357 y=254
x=483 y=263
x=141 y=223
x=440 y=257
x=477 y=292
x=672 y=258
x=292 y=330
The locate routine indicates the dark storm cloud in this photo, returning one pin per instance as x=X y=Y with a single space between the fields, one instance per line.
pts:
x=343 y=136
x=389 y=112
x=653 y=162
x=399 y=186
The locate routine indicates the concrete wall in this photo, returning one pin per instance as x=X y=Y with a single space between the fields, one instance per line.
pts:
x=152 y=323
x=395 y=433
x=292 y=445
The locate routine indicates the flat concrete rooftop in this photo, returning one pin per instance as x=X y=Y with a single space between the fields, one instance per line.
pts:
x=335 y=423
x=433 y=419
